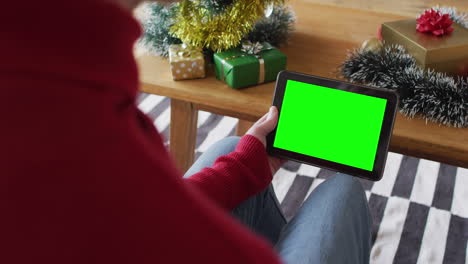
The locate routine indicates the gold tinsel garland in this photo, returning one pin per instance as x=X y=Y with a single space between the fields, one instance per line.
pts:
x=197 y=27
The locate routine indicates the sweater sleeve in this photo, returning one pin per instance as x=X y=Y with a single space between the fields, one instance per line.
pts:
x=235 y=177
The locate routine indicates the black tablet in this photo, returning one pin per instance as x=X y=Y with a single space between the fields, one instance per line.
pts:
x=332 y=124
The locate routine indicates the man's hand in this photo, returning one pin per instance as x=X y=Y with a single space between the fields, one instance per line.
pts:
x=260 y=130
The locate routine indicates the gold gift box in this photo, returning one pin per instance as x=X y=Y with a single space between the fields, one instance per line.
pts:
x=186 y=62
x=447 y=53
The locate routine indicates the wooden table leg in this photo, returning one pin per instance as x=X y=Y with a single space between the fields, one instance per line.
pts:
x=242 y=127
x=183 y=133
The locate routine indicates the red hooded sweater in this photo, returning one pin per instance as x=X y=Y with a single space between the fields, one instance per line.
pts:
x=84 y=175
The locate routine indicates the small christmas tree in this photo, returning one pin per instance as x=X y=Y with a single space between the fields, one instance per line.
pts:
x=216 y=25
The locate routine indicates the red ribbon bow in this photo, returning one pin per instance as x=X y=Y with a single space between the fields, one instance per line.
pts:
x=434 y=22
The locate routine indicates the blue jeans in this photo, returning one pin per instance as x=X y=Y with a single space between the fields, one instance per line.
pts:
x=333 y=225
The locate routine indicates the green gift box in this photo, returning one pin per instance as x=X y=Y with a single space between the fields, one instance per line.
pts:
x=252 y=64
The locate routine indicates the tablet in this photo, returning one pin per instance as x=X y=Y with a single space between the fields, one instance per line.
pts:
x=332 y=124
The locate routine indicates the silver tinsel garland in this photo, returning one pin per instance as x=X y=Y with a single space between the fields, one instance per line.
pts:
x=157 y=20
x=457 y=17
x=275 y=28
x=433 y=95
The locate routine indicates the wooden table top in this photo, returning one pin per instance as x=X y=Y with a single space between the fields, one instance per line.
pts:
x=323 y=36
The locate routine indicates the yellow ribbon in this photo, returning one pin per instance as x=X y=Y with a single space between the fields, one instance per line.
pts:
x=261 y=73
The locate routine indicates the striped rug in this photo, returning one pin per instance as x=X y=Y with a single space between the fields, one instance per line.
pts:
x=419 y=208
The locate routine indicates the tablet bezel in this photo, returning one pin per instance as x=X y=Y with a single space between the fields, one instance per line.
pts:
x=386 y=130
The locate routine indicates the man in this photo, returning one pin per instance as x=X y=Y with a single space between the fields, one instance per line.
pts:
x=85 y=178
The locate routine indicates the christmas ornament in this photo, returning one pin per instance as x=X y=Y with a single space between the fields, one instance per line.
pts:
x=269 y=10
x=463 y=69
x=372 y=44
x=379 y=33
x=197 y=27
x=434 y=22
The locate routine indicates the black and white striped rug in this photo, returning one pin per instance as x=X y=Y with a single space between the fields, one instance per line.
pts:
x=419 y=208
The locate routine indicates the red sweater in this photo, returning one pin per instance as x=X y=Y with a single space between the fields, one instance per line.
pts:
x=84 y=175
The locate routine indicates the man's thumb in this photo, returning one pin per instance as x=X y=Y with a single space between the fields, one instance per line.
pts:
x=271 y=120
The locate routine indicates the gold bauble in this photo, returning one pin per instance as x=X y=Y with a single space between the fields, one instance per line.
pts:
x=372 y=44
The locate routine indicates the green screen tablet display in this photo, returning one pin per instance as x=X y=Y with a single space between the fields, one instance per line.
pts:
x=330 y=124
